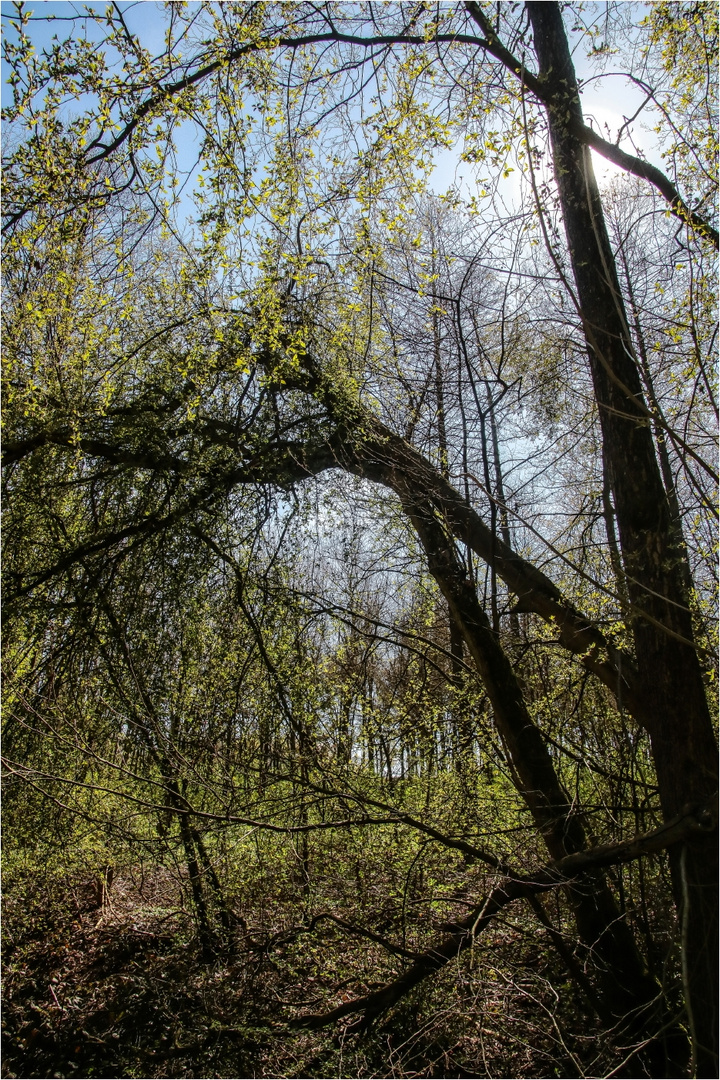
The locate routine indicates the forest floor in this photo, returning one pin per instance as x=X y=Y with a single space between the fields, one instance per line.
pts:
x=117 y=986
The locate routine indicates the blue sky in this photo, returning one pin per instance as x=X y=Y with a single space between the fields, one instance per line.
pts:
x=607 y=101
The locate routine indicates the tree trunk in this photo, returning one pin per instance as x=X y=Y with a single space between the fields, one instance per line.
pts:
x=679 y=723
x=628 y=993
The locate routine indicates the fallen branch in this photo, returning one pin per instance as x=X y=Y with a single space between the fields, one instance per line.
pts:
x=691 y=821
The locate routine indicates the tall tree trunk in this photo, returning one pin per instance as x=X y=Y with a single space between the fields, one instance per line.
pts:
x=679 y=724
x=205 y=934
x=661 y=440
x=513 y=621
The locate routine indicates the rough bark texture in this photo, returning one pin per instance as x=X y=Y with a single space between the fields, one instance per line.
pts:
x=669 y=671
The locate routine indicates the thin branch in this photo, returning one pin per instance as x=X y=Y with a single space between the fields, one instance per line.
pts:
x=691 y=821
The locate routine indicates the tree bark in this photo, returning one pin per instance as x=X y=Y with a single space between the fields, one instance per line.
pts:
x=679 y=723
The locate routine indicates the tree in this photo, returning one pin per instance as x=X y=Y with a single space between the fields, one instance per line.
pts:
x=314 y=321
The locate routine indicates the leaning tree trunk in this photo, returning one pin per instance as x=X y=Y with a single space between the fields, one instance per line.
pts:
x=679 y=723
x=628 y=995
x=438 y=513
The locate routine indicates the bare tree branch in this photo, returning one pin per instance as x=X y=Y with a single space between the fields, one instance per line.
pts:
x=691 y=821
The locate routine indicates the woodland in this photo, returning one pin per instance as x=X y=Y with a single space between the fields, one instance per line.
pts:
x=360 y=539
